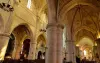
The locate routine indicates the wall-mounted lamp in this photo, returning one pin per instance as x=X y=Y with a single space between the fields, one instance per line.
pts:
x=6 y=7
x=42 y=30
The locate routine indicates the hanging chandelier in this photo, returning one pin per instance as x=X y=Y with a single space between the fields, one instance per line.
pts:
x=6 y=7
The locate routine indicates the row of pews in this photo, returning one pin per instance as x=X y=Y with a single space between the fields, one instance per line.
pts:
x=23 y=61
x=33 y=61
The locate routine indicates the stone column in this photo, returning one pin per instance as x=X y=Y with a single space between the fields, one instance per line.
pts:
x=70 y=56
x=59 y=43
x=69 y=50
x=51 y=50
x=32 y=51
x=14 y=51
x=94 y=51
x=4 y=38
x=77 y=51
x=18 y=51
x=54 y=46
x=70 y=46
x=98 y=47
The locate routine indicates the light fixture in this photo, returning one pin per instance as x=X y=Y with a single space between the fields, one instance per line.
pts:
x=42 y=30
x=6 y=7
x=98 y=35
x=85 y=53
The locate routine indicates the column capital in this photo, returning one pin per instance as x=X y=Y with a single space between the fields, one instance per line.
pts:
x=55 y=25
x=51 y=25
x=4 y=34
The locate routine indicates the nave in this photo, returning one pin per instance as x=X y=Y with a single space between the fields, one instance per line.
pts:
x=50 y=31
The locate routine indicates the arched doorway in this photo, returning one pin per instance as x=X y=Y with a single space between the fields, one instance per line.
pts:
x=25 y=48
x=41 y=47
x=85 y=47
x=10 y=47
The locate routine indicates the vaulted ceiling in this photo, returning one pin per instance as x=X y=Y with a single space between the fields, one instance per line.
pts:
x=83 y=18
x=81 y=15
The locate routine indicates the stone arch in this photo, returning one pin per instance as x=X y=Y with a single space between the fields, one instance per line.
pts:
x=21 y=33
x=27 y=26
x=86 y=28
x=41 y=44
x=85 y=37
x=40 y=38
x=79 y=35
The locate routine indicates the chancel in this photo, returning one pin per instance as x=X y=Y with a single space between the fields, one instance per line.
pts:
x=49 y=31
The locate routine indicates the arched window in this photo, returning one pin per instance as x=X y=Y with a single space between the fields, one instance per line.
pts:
x=29 y=4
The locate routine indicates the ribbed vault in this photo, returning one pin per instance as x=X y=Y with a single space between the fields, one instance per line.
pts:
x=82 y=17
x=83 y=21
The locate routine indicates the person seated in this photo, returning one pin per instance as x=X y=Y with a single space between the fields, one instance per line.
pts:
x=39 y=55
x=84 y=60
x=43 y=55
x=64 y=60
x=77 y=59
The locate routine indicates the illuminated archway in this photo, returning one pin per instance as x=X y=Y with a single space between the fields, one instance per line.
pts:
x=41 y=45
x=22 y=33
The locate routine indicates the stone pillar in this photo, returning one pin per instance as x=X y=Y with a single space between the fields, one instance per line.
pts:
x=94 y=51
x=77 y=51
x=4 y=38
x=51 y=50
x=60 y=43
x=18 y=51
x=54 y=43
x=32 y=51
x=70 y=46
x=54 y=39
x=14 y=51
x=70 y=56
x=98 y=47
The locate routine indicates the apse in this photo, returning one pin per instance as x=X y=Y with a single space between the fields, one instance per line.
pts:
x=86 y=47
